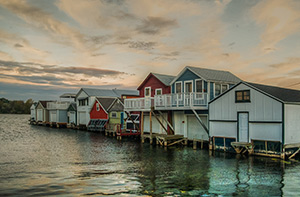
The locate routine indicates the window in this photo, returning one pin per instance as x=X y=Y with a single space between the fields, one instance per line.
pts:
x=147 y=91
x=217 y=89
x=83 y=102
x=178 y=87
x=242 y=96
x=98 y=107
x=224 y=88
x=188 y=86
x=158 y=91
x=199 y=86
x=114 y=114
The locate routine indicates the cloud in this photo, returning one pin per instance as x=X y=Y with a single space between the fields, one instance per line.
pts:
x=156 y=25
x=279 y=19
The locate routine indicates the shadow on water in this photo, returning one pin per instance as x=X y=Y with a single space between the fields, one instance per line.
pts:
x=44 y=161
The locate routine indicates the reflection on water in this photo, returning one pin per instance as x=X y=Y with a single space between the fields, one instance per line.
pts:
x=43 y=161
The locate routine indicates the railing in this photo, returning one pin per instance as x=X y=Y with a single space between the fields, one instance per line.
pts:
x=58 y=105
x=138 y=104
x=182 y=100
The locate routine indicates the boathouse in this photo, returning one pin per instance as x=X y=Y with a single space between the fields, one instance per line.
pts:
x=58 y=113
x=33 y=112
x=71 y=112
x=42 y=113
x=99 y=113
x=255 y=118
x=86 y=97
x=191 y=90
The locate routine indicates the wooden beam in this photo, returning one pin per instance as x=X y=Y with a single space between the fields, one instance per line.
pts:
x=295 y=153
x=142 y=123
x=160 y=122
x=129 y=116
x=169 y=124
x=200 y=121
x=150 y=119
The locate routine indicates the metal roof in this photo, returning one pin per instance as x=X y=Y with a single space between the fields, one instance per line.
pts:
x=165 y=79
x=283 y=94
x=109 y=93
x=214 y=75
x=68 y=95
x=106 y=102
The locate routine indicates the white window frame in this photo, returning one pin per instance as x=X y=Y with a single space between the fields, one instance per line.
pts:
x=97 y=106
x=198 y=97
x=185 y=82
x=215 y=90
x=222 y=88
x=180 y=93
x=157 y=90
x=114 y=115
x=149 y=92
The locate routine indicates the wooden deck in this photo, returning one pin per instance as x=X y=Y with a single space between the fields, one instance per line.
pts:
x=170 y=140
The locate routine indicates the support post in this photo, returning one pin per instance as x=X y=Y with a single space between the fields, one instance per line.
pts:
x=142 y=127
x=150 y=119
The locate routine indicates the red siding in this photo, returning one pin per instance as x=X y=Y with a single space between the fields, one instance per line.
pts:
x=101 y=114
x=154 y=83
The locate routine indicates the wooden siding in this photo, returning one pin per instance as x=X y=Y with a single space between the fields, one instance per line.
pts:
x=101 y=114
x=154 y=83
x=292 y=124
x=186 y=76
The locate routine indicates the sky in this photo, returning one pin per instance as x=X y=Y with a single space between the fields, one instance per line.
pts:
x=49 y=47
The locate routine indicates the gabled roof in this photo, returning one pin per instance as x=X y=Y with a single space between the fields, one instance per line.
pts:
x=283 y=94
x=72 y=107
x=118 y=105
x=114 y=93
x=211 y=75
x=106 y=102
x=164 y=79
x=44 y=103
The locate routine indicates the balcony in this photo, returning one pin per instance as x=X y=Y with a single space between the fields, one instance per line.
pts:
x=58 y=105
x=181 y=101
x=139 y=104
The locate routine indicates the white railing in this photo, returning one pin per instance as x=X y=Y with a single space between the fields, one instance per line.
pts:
x=138 y=104
x=182 y=100
x=58 y=105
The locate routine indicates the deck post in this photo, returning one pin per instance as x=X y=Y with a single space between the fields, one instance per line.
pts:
x=194 y=144
x=150 y=119
x=142 y=127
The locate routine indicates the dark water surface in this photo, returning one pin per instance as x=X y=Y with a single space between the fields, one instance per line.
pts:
x=44 y=161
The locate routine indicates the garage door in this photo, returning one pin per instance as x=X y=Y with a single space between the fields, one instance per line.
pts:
x=82 y=118
x=194 y=128
x=72 y=117
x=53 y=116
x=40 y=115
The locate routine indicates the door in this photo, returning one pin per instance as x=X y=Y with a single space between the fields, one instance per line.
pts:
x=82 y=118
x=243 y=127
x=53 y=116
x=188 y=88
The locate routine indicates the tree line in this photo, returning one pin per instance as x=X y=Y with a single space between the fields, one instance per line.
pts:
x=15 y=107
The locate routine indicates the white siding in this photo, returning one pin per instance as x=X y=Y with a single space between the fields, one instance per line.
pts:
x=72 y=117
x=82 y=118
x=86 y=109
x=195 y=129
x=265 y=131
x=261 y=107
x=228 y=129
x=292 y=123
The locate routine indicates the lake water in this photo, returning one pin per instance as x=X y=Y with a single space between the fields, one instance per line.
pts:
x=39 y=161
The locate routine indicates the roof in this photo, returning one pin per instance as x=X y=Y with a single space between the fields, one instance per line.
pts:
x=211 y=75
x=165 y=79
x=72 y=107
x=106 y=102
x=68 y=95
x=44 y=103
x=118 y=105
x=283 y=94
x=109 y=93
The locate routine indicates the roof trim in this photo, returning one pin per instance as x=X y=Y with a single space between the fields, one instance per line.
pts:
x=179 y=75
x=96 y=100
